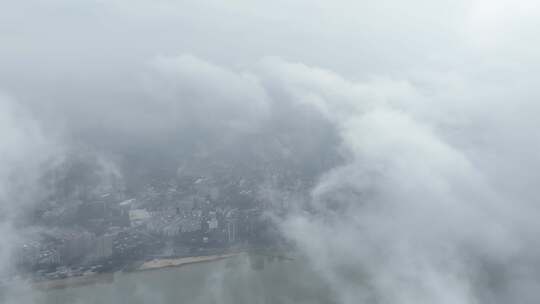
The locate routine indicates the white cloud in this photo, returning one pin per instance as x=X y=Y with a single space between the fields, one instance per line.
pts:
x=418 y=214
x=24 y=152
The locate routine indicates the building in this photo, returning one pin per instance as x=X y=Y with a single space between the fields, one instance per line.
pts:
x=138 y=216
x=103 y=247
x=231 y=230
x=75 y=246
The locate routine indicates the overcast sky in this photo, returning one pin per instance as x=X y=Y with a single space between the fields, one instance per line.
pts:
x=434 y=105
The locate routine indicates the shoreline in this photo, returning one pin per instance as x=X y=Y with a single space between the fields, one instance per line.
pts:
x=182 y=261
x=108 y=277
x=76 y=281
x=145 y=265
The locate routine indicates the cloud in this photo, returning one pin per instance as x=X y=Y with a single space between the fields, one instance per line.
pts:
x=412 y=214
x=199 y=94
x=25 y=152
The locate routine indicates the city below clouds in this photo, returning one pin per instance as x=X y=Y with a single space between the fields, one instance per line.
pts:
x=412 y=127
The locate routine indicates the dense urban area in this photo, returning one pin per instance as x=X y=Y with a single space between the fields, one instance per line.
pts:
x=88 y=226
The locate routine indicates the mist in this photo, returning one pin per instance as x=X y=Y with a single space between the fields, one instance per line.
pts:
x=402 y=137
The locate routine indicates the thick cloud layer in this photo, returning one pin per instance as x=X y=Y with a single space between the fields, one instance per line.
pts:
x=24 y=153
x=430 y=110
x=412 y=214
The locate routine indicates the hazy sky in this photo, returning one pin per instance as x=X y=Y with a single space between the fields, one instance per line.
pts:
x=434 y=104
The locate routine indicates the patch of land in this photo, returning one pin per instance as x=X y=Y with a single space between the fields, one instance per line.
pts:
x=177 y=262
x=88 y=279
x=154 y=264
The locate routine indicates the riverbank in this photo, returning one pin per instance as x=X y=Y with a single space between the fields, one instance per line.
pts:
x=177 y=262
x=153 y=264
x=108 y=277
x=88 y=279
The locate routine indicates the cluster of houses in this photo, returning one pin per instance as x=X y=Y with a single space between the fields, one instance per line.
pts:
x=183 y=226
x=178 y=218
x=64 y=247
